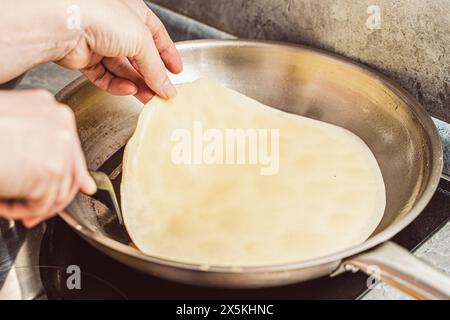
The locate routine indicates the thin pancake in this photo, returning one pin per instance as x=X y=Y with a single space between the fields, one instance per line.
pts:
x=328 y=193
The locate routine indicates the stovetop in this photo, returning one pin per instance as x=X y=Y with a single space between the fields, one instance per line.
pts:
x=61 y=250
x=39 y=263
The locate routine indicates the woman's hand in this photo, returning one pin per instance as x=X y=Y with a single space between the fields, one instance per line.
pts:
x=42 y=164
x=124 y=49
x=120 y=45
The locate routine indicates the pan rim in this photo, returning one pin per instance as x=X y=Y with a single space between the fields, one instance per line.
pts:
x=434 y=145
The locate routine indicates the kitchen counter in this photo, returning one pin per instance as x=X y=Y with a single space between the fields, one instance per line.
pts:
x=436 y=250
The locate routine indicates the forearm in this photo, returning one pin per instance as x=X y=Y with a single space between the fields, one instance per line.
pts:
x=33 y=32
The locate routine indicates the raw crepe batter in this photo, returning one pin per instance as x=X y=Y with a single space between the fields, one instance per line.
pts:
x=327 y=195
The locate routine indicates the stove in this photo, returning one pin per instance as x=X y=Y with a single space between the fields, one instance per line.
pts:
x=40 y=263
x=60 y=250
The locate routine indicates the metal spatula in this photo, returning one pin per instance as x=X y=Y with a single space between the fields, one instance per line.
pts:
x=104 y=183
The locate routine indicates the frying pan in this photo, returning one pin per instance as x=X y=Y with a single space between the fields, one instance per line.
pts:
x=299 y=80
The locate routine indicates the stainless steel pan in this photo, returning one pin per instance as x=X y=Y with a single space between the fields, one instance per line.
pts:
x=298 y=80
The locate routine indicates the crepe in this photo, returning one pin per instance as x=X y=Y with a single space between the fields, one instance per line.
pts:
x=319 y=191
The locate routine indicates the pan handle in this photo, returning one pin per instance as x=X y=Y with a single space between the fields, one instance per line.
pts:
x=398 y=267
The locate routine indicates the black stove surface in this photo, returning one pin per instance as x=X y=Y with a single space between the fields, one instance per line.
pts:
x=104 y=278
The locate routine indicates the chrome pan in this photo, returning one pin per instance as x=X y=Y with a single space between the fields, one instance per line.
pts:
x=303 y=81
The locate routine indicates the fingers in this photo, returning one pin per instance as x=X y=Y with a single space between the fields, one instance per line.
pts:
x=66 y=201
x=42 y=207
x=86 y=183
x=75 y=159
x=150 y=51
x=19 y=210
x=84 y=180
x=65 y=176
x=52 y=170
x=149 y=64
x=105 y=80
x=74 y=156
x=122 y=68
x=166 y=48
x=14 y=210
x=65 y=191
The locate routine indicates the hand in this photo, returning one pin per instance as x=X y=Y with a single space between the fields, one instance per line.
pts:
x=42 y=164
x=124 y=49
x=121 y=46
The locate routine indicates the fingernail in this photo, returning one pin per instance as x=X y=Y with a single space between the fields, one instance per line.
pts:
x=169 y=89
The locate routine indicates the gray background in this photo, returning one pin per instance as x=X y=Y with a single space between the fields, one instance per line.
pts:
x=412 y=46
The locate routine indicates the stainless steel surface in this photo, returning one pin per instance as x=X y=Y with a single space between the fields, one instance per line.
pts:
x=435 y=251
x=387 y=262
x=292 y=78
x=104 y=183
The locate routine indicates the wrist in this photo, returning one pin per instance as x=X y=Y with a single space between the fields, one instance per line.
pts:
x=63 y=30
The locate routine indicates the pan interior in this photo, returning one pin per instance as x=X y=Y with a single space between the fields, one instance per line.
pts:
x=293 y=79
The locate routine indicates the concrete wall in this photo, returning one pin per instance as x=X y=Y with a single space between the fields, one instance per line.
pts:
x=410 y=43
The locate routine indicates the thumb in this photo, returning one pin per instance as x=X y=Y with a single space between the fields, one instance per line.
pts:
x=87 y=183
